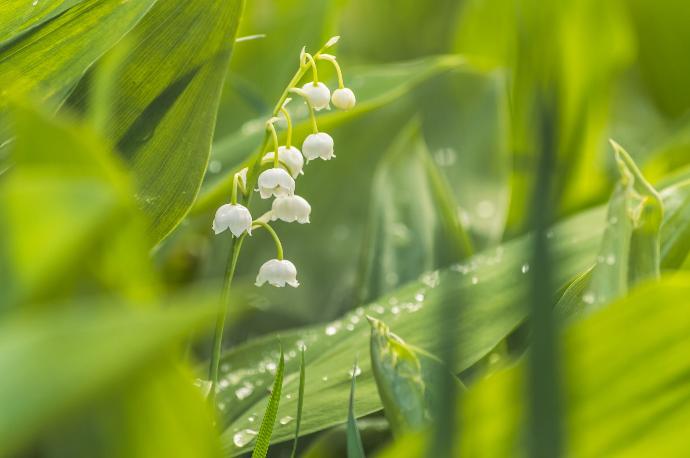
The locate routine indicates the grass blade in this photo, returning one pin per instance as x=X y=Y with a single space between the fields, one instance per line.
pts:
x=300 y=402
x=355 y=449
x=266 y=430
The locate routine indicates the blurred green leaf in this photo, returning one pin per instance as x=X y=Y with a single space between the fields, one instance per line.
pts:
x=57 y=362
x=624 y=370
x=403 y=377
x=47 y=50
x=68 y=219
x=582 y=46
x=166 y=97
x=490 y=293
x=355 y=449
x=413 y=223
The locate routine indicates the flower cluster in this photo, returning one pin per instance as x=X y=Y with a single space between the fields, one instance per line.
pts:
x=281 y=166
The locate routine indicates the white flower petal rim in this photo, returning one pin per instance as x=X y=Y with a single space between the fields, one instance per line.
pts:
x=320 y=145
x=291 y=209
x=292 y=157
x=319 y=95
x=344 y=98
x=275 y=182
x=277 y=273
x=235 y=218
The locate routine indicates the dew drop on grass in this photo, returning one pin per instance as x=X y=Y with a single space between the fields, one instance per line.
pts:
x=419 y=297
x=395 y=310
x=356 y=372
x=244 y=437
x=378 y=309
x=350 y=327
x=244 y=391
x=285 y=420
x=588 y=298
x=475 y=279
x=214 y=166
x=331 y=330
x=288 y=396
x=251 y=419
x=324 y=378
x=611 y=259
x=525 y=268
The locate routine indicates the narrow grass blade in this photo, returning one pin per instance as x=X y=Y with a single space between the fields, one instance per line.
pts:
x=300 y=402
x=266 y=430
x=355 y=449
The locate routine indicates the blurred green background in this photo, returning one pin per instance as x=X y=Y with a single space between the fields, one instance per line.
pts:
x=122 y=124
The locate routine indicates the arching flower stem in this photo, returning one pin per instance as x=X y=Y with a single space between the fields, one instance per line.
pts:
x=288 y=118
x=330 y=58
x=279 y=246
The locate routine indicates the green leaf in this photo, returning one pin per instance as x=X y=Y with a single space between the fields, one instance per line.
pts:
x=414 y=225
x=57 y=362
x=300 y=401
x=489 y=292
x=83 y=194
x=354 y=441
x=333 y=443
x=45 y=52
x=630 y=248
x=166 y=99
x=266 y=429
x=623 y=369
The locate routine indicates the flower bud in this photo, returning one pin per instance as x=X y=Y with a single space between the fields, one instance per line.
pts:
x=234 y=217
x=292 y=157
x=291 y=208
x=277 y=273
x=276 y=182
x=344 y=98
x=318 y=94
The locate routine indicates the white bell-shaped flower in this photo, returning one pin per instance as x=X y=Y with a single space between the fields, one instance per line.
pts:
x=292 y=157
x=276 y=182
x=318 y=94
x=344 y=98
x=278 y=273
x=234 y=217
x=318 y=145
x=291 y=208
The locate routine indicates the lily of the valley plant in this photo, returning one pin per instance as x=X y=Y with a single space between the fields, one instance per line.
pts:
x=274 y=171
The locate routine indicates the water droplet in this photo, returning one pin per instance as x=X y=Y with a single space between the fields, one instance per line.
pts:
x=244 y=437
x=221 y=406
x=611 y=259
x=613 y=220
x=214 y=166
x=350 y=327
x=288 y=396
x=356 y=373
x=431 y=279
x=331 y=330
x=378 y=309
x=475 y=279
x=525 y=268
x=244 y=391
x=486 y=209
x=354 y=319
x=419 y=297
x=395 y=310
x=285 y=420
x=324 y=378
x=588 y=298
x=251 y=419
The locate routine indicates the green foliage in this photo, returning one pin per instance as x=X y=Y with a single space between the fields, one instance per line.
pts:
x=263 y=439
x=619 y=358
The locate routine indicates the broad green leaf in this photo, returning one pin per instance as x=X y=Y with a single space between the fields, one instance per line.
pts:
x=623 y=369
x=18 y=15
x=68 y=217
x=45 y=62
x=413 y=224
x=630 y=248
x=489 y=292
x=354 y=440
x=300 y=401
x=266 y=430
x=57 y=362
x=405 y=379
x=166 y=96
